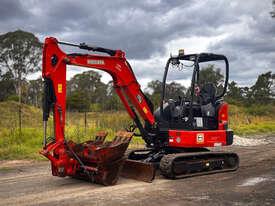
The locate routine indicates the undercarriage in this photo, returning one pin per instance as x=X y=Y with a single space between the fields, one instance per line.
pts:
x=177 y=163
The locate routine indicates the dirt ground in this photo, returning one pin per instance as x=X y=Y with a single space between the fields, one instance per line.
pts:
x=30 y=183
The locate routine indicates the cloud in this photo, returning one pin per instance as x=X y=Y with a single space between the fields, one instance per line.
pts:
x=249 y=46
x=11 y=10
x=149 y=30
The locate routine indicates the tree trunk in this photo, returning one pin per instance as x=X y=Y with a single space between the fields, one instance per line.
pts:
x=20 y=103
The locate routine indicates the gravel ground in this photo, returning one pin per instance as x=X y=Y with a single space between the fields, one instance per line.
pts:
x=31 y=183
x=244 y=141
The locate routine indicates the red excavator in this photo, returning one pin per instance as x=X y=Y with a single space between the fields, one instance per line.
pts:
x=178 y=134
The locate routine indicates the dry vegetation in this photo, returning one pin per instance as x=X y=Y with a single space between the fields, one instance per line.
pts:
x=244 y=121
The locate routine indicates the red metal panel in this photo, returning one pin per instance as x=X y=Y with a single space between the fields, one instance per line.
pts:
x=180 y=138
x=57 y=74
x=223 y=116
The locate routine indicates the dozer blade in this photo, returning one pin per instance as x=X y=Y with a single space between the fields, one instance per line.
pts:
x=138 y=170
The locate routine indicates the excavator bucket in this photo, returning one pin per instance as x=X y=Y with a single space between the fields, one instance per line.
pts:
x=102 y=161
x=136 y=168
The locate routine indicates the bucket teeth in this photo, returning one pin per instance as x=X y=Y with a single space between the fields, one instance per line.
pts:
x=122 y=137
x=99 y=138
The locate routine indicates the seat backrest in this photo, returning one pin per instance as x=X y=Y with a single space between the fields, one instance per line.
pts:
x=208 y=94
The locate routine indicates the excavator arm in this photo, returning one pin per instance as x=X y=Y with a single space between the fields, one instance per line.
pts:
x=124 y=80
x=100 y=162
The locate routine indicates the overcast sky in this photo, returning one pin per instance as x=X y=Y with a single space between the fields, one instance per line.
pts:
x=148 y=31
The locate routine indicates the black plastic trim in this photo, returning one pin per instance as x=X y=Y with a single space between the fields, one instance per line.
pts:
x=229 y=137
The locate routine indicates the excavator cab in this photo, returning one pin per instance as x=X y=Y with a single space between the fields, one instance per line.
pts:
x=187 y=126
x=197 y=108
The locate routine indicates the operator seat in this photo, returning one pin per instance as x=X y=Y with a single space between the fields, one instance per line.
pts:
x=208 y=105
x=208 y=94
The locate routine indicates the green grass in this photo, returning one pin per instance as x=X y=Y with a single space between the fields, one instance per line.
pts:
x=29 y=143
x=26 y=145
x=32 y=116
x=257 y=128
x=13 y=145
x=252 y=120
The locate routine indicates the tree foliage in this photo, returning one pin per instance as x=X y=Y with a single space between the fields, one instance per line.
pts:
x=234 y=93
x=34 y=92
x=172 y=91
x=6 y=85
x=210 y=74
x=86 y=92
x=112 y=101
x=20 y=55
x=261 y=91
x=78 y=101
x=86 y=85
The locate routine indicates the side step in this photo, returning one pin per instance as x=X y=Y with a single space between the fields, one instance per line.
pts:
x=183 y=165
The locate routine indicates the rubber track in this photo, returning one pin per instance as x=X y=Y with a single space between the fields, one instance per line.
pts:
x=166 y=164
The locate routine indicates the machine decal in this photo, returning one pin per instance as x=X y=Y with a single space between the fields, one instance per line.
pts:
x=59 y=88
x=200 y=138
x=118 y=67
x=92 y=61
x=139 y=98
x=145 y=110
x=199 y=121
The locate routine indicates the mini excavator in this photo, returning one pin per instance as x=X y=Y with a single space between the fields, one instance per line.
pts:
x=179 y=134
